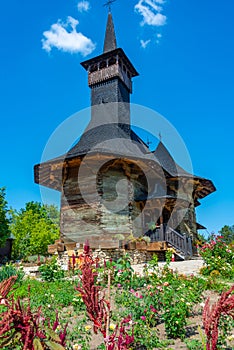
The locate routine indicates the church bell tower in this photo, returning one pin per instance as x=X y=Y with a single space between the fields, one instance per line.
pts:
x=110 y=77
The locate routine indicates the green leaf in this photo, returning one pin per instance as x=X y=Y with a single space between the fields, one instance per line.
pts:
x=37 y=345
x=8 y=340
x=54 y=336
x=54 y=346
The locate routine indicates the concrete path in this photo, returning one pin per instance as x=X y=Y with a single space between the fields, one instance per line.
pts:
x=187 y=267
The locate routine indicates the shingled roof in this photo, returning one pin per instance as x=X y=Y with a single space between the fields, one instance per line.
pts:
x=110 y=42
x=203 y=186
x=168 y=163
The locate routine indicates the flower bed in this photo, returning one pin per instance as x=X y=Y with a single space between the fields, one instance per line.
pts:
x=111 y=307
x=218 y=257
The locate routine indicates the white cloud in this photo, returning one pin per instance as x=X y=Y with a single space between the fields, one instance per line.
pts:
x=64 y=37
x=158 y=37
x=151 y=12
x=83 y=6
x=145 y=43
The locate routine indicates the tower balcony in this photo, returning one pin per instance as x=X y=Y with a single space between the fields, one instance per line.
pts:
x=106 y=73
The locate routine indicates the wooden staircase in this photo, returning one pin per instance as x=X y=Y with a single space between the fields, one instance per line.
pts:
x=181 y=243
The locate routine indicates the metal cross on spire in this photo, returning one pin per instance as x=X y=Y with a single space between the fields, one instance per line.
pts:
x=148 y=142
x=108 y=4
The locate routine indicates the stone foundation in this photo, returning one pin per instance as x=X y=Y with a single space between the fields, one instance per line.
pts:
x=136 y=256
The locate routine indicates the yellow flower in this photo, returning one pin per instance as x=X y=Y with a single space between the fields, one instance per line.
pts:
x=230 y=337
x=112 y=326
x=88 y=327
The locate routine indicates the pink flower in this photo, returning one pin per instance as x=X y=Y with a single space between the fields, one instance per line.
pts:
x=141 y=296
x=143 y=318
x=119 y=285
x=152 y=308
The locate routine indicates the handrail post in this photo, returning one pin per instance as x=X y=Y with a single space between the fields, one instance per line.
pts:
x=190 y=247
x=185 y=244
x=161 y=233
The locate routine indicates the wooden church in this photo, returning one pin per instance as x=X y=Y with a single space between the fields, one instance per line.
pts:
x=110 y=182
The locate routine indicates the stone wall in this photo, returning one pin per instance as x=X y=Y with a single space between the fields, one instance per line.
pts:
x=136 y=257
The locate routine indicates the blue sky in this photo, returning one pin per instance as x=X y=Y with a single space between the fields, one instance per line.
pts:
x=183 y=51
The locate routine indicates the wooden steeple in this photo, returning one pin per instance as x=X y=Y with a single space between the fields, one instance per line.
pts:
x=110 y=42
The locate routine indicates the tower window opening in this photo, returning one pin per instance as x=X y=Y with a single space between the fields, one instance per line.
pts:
x=112 y=61
x=93 y=68
x=103 y=64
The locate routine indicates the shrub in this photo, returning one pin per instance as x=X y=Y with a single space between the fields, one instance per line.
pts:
x=51 y=271
x=218 y=257
x=9 y=270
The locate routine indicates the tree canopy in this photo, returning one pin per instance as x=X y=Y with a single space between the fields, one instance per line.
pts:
x=228 y=233
x=4 y=220
x=34 y=228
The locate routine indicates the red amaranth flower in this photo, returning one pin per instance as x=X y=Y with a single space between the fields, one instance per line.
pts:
x=211 y=316
x=97 y=307
x=18 y=319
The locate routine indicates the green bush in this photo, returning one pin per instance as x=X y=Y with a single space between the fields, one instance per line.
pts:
x=218 y=257
x=9 y=270
x=51 y=271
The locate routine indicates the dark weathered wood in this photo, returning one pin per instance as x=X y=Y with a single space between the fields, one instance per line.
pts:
x=92 y=203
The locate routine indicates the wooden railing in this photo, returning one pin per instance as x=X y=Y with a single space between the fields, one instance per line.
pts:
x=181 y=242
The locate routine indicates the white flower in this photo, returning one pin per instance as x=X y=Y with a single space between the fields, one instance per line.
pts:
x=76 y=347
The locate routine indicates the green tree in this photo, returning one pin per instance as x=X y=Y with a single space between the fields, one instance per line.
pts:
x=228 y=233
x=4 y=221
x=53 y=213
x=33 y=230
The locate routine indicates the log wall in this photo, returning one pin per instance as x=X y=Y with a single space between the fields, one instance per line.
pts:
x=99 y=206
